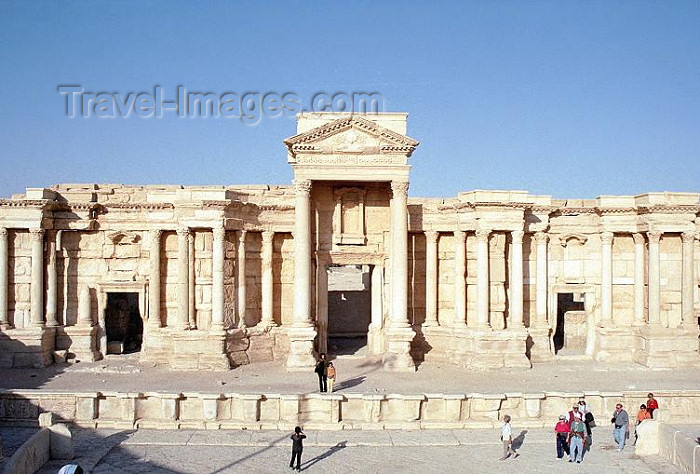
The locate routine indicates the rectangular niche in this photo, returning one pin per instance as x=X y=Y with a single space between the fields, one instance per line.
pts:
x=349 y=216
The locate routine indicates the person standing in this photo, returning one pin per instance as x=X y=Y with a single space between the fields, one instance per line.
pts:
x=652 y=404
x=331 y=376
x=642 y=414
x=322 y=372
x=297 y=447
x=507 y=438
x=621 y=421
x=577 y=440
x=575 y=414
x=587 y=418
x=561 y=432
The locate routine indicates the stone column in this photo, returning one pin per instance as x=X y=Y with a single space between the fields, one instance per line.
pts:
x=377 y=298
x=192 y=281
x=606 y=239
x=460 y=302
x=516 y=280
x=541 y=284
x=431 y=278
x=654 y=278
x=687 y=304
x=4 y=281
x=267 y=279
x=399 y=255
x=52 y=283
x=183 y=279
x=217 y=279
x=154 y=280
x=302 y=254
x=241 y=278
x=37 y=286
x=84 y=307
x=482 y=278
x=638 y=280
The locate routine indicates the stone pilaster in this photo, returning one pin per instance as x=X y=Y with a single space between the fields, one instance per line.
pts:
x=52 y=282
x=192 y=308
x=606 y=240
x=217 y=291
x=183 y=279
x=4 y=282
x=302 y=333
x=37 y=285
x=688 y=281
x=639 y=306
x=654 y=278
x=482 y=278
x=541 y=284
x=241 y=279
x=431 y=278
x=375 y=340
x=516 y=280
x=154 y=280
x=267 y=279
x=460 y=292
x=399 y=333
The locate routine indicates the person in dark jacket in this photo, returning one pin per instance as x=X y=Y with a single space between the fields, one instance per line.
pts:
x=322 y=372
x=297 y=447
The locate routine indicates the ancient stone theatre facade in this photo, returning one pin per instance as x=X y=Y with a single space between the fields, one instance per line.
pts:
x=213 y=277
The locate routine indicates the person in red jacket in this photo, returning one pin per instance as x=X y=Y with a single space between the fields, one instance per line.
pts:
x=652 y=404
x=561 y=430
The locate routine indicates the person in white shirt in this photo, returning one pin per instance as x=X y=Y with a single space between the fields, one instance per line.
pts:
x=507 y=438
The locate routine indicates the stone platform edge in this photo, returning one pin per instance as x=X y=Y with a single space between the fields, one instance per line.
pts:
x=337 y=411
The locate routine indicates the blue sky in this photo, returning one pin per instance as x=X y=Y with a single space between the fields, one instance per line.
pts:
x=572 y=99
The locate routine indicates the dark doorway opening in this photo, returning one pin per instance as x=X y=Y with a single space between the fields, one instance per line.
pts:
x=571 y=324
x=123 y=323
x=349 y=309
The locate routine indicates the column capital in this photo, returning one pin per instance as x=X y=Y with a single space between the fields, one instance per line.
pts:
x=460 y=236
x=688 y=237
x=219 y=232
x=268 y=236
x=399 y=188
x=302 y=186
x=654 y=236
x=541 y=237
x=517 y=236
x=36 y=234
x=183 y=231
x=3 y=231
x=156 y=233
x=638 y=238
x=431 y=236
x=606 y=238
x=241 y=235
x=483 y=235
x=190 y=237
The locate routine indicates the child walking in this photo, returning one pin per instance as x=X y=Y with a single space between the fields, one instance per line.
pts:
x=331 y=376
x=507 y=438
x=297 y=448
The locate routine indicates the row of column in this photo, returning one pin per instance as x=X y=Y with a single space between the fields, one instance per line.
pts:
x=654 y=283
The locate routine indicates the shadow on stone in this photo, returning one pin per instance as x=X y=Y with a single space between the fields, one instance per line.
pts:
x=332 y=450
x=519 y=440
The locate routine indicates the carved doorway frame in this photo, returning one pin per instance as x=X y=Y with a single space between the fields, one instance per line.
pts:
x=139 y=286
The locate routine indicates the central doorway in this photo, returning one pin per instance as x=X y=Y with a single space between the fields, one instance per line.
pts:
x=571 y=334
x=123 y=323
x=349 y=309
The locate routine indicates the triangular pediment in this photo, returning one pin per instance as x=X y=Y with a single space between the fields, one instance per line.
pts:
x=350 y=135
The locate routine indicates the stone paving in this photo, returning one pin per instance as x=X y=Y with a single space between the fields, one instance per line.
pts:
x=427 y=451
x=11 y=438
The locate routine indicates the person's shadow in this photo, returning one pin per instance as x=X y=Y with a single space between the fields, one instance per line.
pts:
x=353 y=382
x=332 y=450
x=519 y=440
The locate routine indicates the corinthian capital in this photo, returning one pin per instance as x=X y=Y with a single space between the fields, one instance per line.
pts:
x=638 y=239
x=37 y=235
x=302 y=186
x=654 y=236
x=399 y=188
x=541 y=237
x=606 y=238
x=431 y=236
x=517 y=236
x=482 y=235
x=688 y=237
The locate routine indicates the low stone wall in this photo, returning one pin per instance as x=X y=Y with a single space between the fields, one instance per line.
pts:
x=31 y=455
x=679 y=448
x=322 y=411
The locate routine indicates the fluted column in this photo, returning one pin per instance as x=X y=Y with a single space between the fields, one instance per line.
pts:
x=302 y=254
x=37 y=286
x=267 y=279
x=183 y=279
x=241 y=278
x=217 y=280
x=687 y=304
x=399 y=254
x=52 y=283
x=482 y=278
x=154 y=280
x=606 y=239
x=654 y=278
x=460 y=303
x=541 y=284
x=4 y=265
x=192 y=281
x=516 y=279
x=431 y=278
x=639 y=316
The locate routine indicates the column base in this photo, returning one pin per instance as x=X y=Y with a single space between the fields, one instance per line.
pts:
x=398 y=350
x=199 y=350
x=301 y=349
x=539 y=344
x=667 y=348
x=614 y=344
x=79 y=342
x=27 y=347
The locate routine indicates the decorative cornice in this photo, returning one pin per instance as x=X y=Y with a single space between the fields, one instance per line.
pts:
x=140 y=206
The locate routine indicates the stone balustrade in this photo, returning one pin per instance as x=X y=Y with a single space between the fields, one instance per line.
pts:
x=194 y=410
